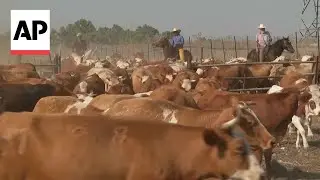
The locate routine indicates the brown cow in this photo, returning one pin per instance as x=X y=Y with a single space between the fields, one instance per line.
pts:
x=186 y=80
x=66 y=104
x=207 y=86
x=54 y=104
x=105 y=101
x=294 y=79
x=162 y=110
x=150 y=77
x=114 y=84
x=38 y=146
x=274 y=110
x=174 y=94
x=225 y=72
x=91 y=84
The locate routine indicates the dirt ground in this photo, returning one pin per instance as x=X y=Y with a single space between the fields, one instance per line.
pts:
x=292 y=164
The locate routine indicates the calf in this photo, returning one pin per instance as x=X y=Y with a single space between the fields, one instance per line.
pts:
x=162 y=110
x=304 y=112
x=38 y=146
x=23 y=97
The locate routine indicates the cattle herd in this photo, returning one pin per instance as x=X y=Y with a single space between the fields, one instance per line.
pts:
x=135 y=120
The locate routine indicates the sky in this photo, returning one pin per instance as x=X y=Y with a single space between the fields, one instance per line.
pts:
x=213 y=18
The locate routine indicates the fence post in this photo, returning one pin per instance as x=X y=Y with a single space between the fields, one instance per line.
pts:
x=189 y=44
x=201 y=54
x=211 y=52
x=224 y=53
x=247 y=44
x=297 y=53
x=148 y=52
x=101 y=50
x=315 y=80
x=235 y=46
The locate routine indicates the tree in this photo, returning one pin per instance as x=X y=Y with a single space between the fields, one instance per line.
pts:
x=145 y=32
x=167 y=34
x=104 y=35
x=55 y=37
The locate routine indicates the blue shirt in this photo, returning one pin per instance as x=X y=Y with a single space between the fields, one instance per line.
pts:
x=176 y=40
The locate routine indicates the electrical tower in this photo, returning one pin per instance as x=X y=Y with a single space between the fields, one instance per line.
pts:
x=311 y=30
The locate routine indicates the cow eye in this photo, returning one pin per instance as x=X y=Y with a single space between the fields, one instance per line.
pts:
x=312 y=105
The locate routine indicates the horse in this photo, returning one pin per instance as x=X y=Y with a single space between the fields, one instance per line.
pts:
x=170 y=52
x=275 y=50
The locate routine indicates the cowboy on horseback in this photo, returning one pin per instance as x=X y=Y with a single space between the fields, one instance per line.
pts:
x=263 y=39
x=80 y=45
x=177 y=41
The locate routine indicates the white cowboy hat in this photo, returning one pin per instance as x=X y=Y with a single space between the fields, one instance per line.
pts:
x=175 y=30
x=79 y=34
x=261 y=26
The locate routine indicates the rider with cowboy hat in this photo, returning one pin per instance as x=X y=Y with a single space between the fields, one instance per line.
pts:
x=263 y=39
x=80 y=45
x=177 y=41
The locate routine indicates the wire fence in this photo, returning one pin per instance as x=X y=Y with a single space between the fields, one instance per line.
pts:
x=220 y=49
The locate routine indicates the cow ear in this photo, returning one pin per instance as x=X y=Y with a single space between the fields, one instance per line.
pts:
x=304 y=97
x=211 y=138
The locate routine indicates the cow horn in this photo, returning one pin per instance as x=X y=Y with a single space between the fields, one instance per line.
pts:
x=230 y=123
x=234 y=121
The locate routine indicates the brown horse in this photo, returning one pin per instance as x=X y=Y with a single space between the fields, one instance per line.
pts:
x=275 y=50
x=170 y=52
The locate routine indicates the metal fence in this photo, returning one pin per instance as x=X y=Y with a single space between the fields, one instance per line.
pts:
x=51 y=66
x=315 y=73
x=220 y=49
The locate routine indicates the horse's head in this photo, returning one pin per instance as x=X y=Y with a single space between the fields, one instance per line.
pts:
x=162 y=42
x=286 y=44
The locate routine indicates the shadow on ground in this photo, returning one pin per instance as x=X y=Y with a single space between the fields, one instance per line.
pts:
x=282 y=173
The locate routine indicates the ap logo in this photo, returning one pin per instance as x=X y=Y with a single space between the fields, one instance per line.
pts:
x=30 y=32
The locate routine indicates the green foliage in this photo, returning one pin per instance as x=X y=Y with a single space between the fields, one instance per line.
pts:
x=104 y=35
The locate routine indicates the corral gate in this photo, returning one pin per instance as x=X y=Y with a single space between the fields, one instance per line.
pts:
x=47 y=70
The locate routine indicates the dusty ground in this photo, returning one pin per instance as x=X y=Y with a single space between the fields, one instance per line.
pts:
x=292 y=163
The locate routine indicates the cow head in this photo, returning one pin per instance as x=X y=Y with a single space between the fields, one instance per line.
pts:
x=186 y=80
x=255 y=131
x=228 y=153
x=313 y=107
x=92 y=83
